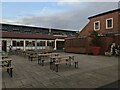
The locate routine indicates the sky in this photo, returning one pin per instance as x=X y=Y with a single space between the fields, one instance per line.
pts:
x=61 y=14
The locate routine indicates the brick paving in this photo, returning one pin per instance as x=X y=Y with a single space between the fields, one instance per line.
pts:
x=93 y=72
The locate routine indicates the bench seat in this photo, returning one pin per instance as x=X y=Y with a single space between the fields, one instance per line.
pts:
x=9 y=69
x=56 y=64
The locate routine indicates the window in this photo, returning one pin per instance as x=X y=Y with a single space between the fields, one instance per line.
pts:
x=16 y=29
x=33 y=43
x=26 y=43
x=18 y=43
x=27 y=30
x=42 y=43
x=21 y=43
x=49 y=43
x=38 y=43
x=4 y=29
x=30 y=43
x=14 y=43
x=109 y=23
x=97 y=25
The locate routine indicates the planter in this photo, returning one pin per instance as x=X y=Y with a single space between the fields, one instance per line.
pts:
x=95 y=50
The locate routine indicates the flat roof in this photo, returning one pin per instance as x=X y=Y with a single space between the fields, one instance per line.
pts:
x=104 y=13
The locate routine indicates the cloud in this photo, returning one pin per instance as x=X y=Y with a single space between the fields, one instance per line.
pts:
x=74 y=19
x=67 y=1
x=59 y=0
x=9 y=21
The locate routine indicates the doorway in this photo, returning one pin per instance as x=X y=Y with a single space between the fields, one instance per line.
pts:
x=4 y=45
x=60 y=45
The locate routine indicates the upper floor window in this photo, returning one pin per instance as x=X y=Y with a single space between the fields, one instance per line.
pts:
x=97 y=25
x=109 y=23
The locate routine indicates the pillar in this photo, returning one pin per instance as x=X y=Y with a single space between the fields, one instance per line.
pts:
x=55 y=45
x=35 y=44
x=24 y=47
x=45 y=44
x=11 y=43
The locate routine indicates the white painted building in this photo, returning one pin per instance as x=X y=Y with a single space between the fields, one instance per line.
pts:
x=26 y=37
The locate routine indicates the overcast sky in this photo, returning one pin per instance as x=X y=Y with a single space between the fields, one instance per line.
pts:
x=62 y=15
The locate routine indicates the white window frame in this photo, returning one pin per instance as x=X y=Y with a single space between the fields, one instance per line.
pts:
x=98 y=25
x=107 y=23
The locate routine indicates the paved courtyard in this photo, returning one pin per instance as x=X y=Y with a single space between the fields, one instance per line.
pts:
x=93 y=72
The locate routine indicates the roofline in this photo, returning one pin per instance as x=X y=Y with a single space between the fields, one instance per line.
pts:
x=51 y=37
x=67 y=30
x=118 y=9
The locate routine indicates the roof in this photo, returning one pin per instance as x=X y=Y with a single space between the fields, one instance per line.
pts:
x=29 y=36
x=104 y=13
x=38 y=27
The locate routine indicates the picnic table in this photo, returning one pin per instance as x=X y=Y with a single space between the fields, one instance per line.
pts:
x=62 y=59
x=45 y=57
x=6 y=64
x=4 y=56
x=34 y=54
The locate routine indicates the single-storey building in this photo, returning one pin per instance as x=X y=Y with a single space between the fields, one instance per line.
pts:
x=29 y=37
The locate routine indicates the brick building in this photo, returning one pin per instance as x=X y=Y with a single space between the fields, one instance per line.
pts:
x=107 y=24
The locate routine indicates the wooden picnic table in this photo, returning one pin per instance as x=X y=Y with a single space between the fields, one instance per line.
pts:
x=30 y=55
x=33 y=54
x=63 y=59
x=6 y=61
x=4 y=56
x=6 y=64
x=41 y=57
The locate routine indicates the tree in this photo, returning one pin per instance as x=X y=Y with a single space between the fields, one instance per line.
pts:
x=95 y=38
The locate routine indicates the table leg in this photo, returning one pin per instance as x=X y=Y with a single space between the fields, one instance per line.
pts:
x=56 y=67
x=42 y=62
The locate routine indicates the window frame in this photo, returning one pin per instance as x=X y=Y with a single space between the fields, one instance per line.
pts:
x=107 y=23
x=98 y=25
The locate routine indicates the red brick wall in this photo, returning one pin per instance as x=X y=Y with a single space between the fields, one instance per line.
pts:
x=77 y=45
x=106 y=41
x=83 y=45
x=102 y=19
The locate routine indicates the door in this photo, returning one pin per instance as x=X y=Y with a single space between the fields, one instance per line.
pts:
x=60 y=45
x=4 y=45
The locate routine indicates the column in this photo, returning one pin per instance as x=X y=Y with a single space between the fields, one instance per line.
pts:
x=24 y=47
x=46 y=44
x=35 y=44
x=11 y=43
x=55 y=45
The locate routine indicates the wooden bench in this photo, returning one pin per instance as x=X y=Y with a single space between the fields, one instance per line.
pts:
x=68 y=61
x=42 y=59
x=45 y=57
x=9 y=69
x=6 y=64
x=33 y=56
x=65 y=62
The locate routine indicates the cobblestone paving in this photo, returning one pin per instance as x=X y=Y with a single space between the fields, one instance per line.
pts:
x=93 y=72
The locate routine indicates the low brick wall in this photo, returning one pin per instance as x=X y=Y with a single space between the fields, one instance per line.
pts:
x=75 y=49
x=76 y=45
